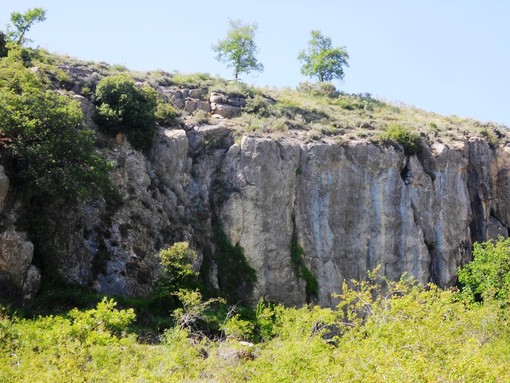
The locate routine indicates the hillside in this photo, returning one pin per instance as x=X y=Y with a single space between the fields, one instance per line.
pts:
x=248 y=234
x=310 y=113
x=284 y=193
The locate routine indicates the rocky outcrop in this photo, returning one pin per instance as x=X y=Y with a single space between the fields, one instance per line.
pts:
x=18 y=276
x=356 y=206
x=226 y=106
x=350 y=207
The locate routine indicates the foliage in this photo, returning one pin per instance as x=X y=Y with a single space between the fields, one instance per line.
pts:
x=104 y=319
x=124 y=106
x=302 y=271
x=381 y=331
x=325 y=89
x=238 y=49
x=178 y=269
x=321 y=60
x=487 y=277
x=193 y=309
x=410 y=141
x=491 y=135
x=3 y=45
x=23 y=22
x=166 y=113
x=47 y=147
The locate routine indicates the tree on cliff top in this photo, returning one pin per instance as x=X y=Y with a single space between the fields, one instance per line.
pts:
x=321 y=60
x=238 y=49
x=22 y=22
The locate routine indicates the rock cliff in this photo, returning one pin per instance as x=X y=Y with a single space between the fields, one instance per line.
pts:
x=350 y=207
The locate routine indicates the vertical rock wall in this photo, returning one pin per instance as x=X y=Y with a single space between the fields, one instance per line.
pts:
x=350 y=207
x=354 y=207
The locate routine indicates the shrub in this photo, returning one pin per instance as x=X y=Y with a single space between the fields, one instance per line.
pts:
x=302 y=271
x=166 y=113
x=397 y=134
x=490 y=135
x=325 y=89
x=124 y=106
x=178 y=272
x=259 y=105
x=488 y=275
x=101 y=323
x=47 y=148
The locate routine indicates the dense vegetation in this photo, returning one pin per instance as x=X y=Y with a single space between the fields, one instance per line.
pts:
x=122 y=106
x=45 y=145
x=380 y=331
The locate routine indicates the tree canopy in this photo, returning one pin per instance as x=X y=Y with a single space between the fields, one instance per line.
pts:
x=238 y=49
x=321 y=60
x=43 y=139
x=22 y=22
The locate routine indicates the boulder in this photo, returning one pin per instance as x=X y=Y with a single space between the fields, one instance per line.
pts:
x=192 y=105
x=226 y=111
x=16 y=270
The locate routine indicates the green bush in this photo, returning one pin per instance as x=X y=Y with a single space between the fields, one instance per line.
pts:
x=121 y=105
x=178 y=272
x=47 y=149
x=302 y=271
x=409 y=140
x=166 y=113
x=487 y=277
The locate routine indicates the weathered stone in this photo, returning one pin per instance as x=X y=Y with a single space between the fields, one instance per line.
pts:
x=351 y=209
x=192 y=106
x=218 y=98
x=195 y=93
x=495 y=229
x=237 y=101
x=175 y=96
x=226 y=111
x=16 y=254
x=31 y=282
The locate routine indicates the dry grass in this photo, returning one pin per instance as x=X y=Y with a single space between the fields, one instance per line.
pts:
x=313 y=112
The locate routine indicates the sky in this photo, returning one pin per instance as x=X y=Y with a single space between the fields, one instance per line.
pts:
x=451 y=57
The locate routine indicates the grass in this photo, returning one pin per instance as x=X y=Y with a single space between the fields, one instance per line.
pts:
x=309 y=113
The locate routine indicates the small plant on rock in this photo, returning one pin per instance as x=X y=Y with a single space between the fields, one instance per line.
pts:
x=409 y=140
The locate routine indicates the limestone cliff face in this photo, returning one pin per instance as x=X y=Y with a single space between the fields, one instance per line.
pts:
x=350 y=207
x=18 y=275
x=354 y=207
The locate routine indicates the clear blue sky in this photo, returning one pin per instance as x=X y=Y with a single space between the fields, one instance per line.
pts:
x=445 y=56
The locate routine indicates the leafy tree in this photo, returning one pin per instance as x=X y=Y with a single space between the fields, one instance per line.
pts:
x=488 y=275
x=321 y=60
x=45 y=146
x=124 y=106
x=238 y=49
x=22 y=22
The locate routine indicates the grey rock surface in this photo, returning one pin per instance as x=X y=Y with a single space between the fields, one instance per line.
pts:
x=350 y=207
